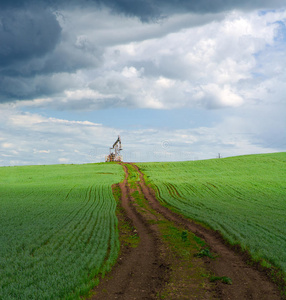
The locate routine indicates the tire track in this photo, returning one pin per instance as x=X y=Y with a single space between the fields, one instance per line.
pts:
x=139 y=272
x=248 y=282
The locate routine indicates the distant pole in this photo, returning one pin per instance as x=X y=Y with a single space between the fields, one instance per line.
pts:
x=219 y=155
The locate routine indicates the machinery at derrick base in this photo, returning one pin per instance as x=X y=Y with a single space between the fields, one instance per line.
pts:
x=114 y=151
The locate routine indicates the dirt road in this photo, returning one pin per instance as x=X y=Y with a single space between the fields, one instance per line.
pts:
x=139 y=273
x=145 y=271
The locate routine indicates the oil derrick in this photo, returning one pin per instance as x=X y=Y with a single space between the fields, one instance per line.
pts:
x=114 y=151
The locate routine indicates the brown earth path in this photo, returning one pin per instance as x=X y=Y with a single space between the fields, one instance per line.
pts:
x=248 y=282
x=140 y=272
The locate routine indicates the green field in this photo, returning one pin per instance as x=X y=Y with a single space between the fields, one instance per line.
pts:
x=243 y=197
x=58 y=229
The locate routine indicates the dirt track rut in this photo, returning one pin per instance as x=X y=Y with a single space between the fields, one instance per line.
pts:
x=141 y=273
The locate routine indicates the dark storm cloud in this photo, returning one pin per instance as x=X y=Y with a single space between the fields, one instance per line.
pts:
x=147 y=10
x=26 y=33
x=33 y=46
x=150 y=9
x=27 y=36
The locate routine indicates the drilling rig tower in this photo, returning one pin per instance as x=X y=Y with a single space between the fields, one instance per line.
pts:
x=114 y=151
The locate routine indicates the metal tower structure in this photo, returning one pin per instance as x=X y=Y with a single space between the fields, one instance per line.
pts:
x=114 y=151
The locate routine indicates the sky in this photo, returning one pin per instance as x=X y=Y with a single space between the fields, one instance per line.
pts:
x=177 y=80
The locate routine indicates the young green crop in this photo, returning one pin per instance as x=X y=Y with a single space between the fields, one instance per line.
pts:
x=242 y=197
x=58 y=229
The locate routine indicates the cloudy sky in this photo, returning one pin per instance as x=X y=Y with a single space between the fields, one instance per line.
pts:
x=178 y=80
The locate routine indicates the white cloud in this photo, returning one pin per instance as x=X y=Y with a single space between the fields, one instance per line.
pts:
x=53 y=141
x=45 y=140
x=130 y=72
x=215 y=97
x=128 y=30
x=63 y=160
x=7 y=145
x=41 y=151
x=215 y=56
x=218 y=64
x=233 y=62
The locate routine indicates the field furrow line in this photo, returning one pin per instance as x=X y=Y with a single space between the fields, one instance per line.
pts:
x=228 y=263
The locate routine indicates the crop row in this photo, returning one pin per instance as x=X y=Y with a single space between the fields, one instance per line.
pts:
x=57 y=236
x=243 y=197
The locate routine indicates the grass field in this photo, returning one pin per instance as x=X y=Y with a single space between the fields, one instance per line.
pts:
x=242 y=197
x=58 y=229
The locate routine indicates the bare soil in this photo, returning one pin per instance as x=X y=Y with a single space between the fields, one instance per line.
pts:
x=140 y=271
x=143 y=272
